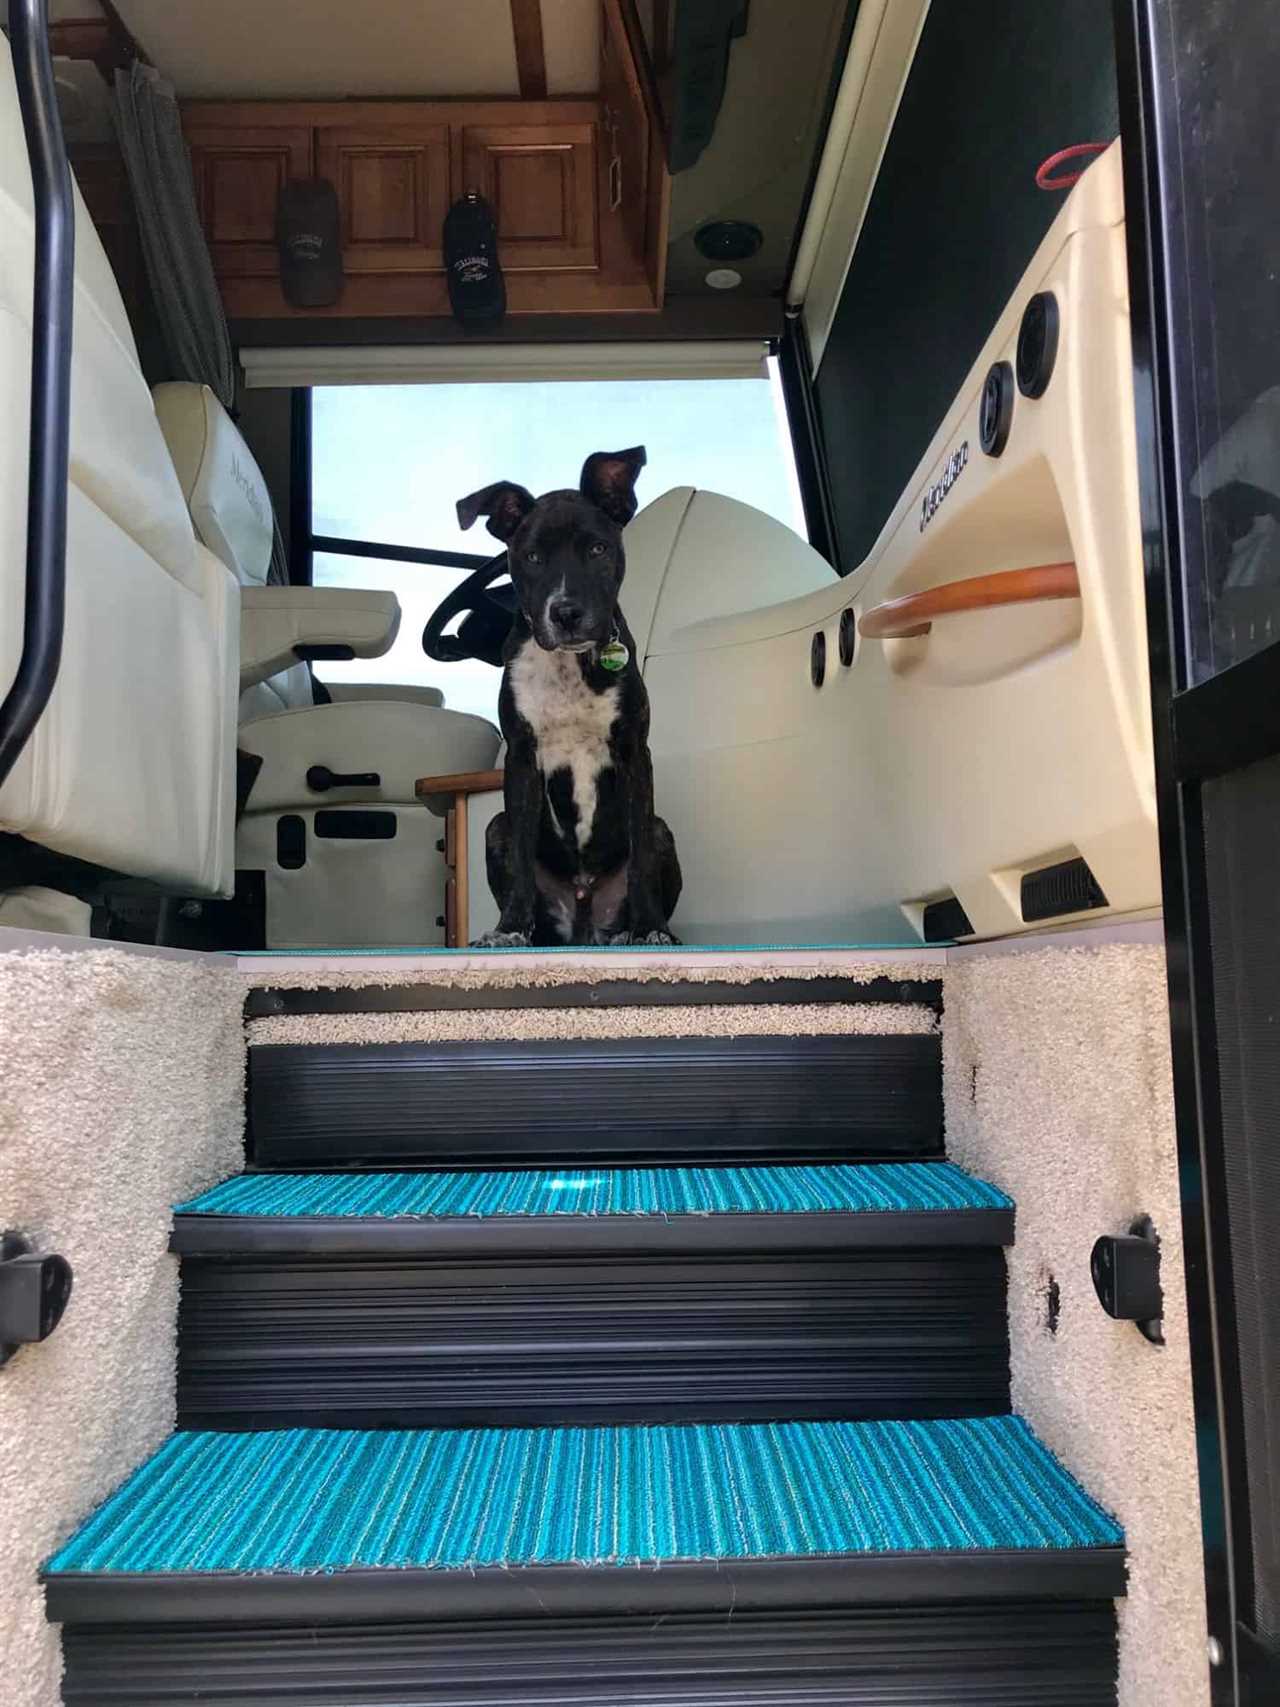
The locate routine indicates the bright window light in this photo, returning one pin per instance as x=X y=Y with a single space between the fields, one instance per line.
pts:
x=390 y=462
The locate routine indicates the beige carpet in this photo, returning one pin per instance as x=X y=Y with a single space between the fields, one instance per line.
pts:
x=1058 y=1089
x=546 y=974
x=479 y=1025
x=121 y=1091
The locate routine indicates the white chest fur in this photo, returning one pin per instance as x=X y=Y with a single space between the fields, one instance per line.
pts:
x=571 y=722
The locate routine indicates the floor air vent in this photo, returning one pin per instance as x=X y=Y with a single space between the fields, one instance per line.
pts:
x=1055 y=890
x=944 y=921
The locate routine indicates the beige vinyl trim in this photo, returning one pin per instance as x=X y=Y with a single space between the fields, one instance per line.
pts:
x=504 y=363
x=879 y=60
x=956 y=762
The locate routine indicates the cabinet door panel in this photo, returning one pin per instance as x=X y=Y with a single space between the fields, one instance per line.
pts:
x=393 y=190
x=239 y=172
x=541 y=182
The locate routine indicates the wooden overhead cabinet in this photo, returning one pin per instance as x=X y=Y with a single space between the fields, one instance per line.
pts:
x=578 y=188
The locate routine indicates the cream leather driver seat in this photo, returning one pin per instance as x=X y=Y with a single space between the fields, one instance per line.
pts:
x=131 y=767
x=351 y=864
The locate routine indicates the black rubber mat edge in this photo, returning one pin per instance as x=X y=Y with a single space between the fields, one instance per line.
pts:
x=613 y=1235
x=630 y=1099
x=749 y=1585
x=272 y=1001
x=1022 y=1653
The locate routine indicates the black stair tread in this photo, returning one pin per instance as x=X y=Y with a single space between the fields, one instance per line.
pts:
x=912 y=987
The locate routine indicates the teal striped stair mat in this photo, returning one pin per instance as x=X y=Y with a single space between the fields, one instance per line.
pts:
x=599 y=1499
x=852 y=1189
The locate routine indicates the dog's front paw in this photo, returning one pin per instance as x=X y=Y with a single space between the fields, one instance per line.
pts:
x=650 y=939
x=502 y=939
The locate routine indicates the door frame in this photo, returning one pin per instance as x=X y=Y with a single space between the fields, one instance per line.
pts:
x=1203 y=729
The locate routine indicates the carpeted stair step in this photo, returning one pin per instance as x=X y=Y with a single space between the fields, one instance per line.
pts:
x=634 y=1211
x=495 y=1523
x=872 y=1290
x=586 y=1100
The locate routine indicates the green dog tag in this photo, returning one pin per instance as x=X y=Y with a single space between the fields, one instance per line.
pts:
x=615 y=656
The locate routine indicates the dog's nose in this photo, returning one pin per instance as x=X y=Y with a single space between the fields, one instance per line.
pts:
x=565 y=614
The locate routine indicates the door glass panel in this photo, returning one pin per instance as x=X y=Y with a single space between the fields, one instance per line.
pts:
x=1219 y=93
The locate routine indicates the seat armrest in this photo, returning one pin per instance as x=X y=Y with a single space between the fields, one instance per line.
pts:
x=440 y=794
x=414 y=692
x=280 y=625
x=459 y=782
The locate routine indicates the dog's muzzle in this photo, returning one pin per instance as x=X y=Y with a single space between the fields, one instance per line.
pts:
x=570 y=627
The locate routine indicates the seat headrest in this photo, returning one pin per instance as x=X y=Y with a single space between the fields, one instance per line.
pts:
x=223 y=485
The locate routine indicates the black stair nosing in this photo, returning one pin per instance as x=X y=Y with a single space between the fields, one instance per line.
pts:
x=725 y=1587
x=273 y=1001
x=1005 y=1654
x=614 y=1235
x=267 y=1420
x=682 y=1150
x=337 y=1105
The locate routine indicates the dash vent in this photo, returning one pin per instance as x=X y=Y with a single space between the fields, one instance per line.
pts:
x=1055 y=890
x=945 y=921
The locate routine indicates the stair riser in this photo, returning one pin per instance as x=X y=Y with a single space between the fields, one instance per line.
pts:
x=621 y=1100
x=368 y=1342
x=1018 y=1654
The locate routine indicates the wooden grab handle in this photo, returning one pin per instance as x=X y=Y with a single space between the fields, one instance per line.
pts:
x=900 y=619
x=460 y=782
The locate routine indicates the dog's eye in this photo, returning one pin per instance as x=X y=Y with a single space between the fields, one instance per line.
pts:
x=533 y=557
x=596 y=550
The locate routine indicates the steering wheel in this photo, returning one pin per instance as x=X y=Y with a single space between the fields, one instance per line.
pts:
x=482 y=633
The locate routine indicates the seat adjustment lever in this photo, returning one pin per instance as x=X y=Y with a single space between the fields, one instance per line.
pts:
x=320 y=779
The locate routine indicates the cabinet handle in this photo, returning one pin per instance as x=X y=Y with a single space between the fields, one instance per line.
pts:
x=615 y=183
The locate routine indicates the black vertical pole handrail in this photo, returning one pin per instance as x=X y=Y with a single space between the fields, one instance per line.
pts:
x=51 y=311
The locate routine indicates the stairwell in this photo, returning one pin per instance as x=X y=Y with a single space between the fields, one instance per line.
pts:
x=524 y=1366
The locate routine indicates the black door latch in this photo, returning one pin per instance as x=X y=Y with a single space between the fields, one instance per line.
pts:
x=34 y=1290
x=1126 y=1277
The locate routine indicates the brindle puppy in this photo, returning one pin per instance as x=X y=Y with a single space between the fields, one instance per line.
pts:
x=578 y=855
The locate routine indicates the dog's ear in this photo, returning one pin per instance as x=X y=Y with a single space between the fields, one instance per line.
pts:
x=505 y=504
x=609 y=481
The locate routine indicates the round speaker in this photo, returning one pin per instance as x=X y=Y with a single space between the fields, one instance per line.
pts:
x=1037 y=344
x=995 y=411
x=818 y=659
x=728 y=240
x=848 y=637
